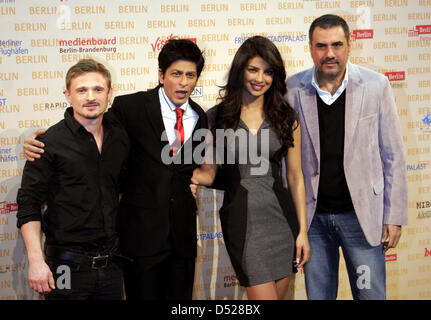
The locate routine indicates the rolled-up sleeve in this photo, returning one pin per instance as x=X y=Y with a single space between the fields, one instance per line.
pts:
x=34 y=188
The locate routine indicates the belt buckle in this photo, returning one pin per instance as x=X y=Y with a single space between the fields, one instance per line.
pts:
x=100 y=262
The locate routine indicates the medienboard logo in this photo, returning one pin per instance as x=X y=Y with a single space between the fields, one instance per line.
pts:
x=396 y=75
x=391 y=257
x=82 y=45
x=7 y=208
x=420 y=29
x=88 y=42
x=362 y=34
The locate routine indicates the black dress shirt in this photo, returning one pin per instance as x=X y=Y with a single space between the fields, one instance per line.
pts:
x=80 y=184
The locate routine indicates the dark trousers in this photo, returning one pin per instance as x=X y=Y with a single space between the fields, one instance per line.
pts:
x=85 y=283
x=165 y=277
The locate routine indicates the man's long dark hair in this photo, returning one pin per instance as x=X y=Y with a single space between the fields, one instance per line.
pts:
x=278 y=112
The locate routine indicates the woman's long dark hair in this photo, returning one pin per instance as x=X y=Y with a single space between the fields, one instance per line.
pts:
x=277 y=111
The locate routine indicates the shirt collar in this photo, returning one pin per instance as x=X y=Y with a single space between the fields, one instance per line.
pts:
x=75 y=126
x=323 y=92
x=71 y=122
x=164 y=100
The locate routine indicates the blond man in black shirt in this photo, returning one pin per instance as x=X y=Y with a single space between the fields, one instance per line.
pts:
x=78 y=175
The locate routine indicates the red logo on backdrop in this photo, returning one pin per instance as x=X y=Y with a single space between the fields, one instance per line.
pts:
x=391 y=257
x=424 y=29
x=6 y=208
x=362 y=34
x=421 y=29
x=427 y=252
x=159 y=43
x=230 y=281
x=396 y=76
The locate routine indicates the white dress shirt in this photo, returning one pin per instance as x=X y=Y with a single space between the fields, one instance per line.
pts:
x=325 y=95
x=190 y=117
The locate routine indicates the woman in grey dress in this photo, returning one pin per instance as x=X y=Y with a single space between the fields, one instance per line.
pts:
x=253 y=131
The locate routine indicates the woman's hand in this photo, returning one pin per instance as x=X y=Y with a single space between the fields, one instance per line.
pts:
x=302 y=249
x=194 y=186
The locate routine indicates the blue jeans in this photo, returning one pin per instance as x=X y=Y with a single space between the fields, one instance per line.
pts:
x=365 y=264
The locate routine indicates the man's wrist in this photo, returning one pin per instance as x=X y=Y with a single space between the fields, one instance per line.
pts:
x=35 y=258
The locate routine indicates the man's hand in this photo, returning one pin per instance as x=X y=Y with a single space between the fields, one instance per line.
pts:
x=40 y=277
x=194 y=187
x=391 y=236
x=32 y=147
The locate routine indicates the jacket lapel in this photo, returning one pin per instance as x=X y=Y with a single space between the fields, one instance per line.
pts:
x=202 y=121
x=154 y=112
x=354 y=96
x=309 y=106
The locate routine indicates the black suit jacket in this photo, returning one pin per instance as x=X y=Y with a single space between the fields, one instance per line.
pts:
x=157 y=208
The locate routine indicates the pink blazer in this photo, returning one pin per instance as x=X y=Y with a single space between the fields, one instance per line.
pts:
x=374 y=155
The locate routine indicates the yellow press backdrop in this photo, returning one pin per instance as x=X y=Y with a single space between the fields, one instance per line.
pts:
x=41 y=39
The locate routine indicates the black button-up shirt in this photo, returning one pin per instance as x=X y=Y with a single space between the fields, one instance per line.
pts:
x=80 y=185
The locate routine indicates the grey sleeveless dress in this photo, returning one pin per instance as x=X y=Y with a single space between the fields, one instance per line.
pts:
x=269 y=243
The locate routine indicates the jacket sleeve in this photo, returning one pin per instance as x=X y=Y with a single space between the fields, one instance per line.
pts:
x=393 y=157
x=115 y=113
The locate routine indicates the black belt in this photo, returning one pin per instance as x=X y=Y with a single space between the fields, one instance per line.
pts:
x=99 y=261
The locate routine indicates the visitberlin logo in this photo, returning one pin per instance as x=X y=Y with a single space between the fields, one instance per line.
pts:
x=7 y=208
x=391 y=257
x=161 y=41
x=362 y=34
x=396 y=75
x=421 y=29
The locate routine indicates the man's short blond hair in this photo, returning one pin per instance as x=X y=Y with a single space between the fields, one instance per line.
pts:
x=86 y=66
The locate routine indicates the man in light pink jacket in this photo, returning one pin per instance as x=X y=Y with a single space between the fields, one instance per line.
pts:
x=353 y=163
